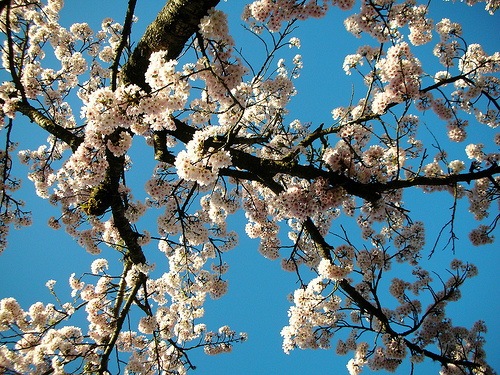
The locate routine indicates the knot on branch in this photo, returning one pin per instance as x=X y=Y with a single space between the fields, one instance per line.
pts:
x=99 y=201
x=161 y=152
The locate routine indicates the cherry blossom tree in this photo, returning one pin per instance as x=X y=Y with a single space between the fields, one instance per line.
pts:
x=222 y=140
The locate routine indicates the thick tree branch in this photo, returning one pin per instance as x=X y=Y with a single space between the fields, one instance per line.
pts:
x=127 y=234
x=172 y=28
x=261 y=167
x=439 y=358
x=47 y=124
x=3 y=4
x=324 y=250
x=447 y=180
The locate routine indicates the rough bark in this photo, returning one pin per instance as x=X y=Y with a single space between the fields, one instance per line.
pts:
x=50 y=126
x=170 y=31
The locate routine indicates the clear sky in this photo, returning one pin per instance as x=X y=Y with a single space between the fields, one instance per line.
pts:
x=256 y=302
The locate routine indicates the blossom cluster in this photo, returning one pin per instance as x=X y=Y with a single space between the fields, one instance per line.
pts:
x=301 y=202
x=200 y=165
x=38 y=337
x=273 y=14
x=402 y=71
x=310 y=311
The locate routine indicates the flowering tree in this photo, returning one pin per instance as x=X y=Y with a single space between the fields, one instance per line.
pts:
x=219 y=132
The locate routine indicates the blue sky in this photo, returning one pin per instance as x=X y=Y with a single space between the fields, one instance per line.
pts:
x=256 y=302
